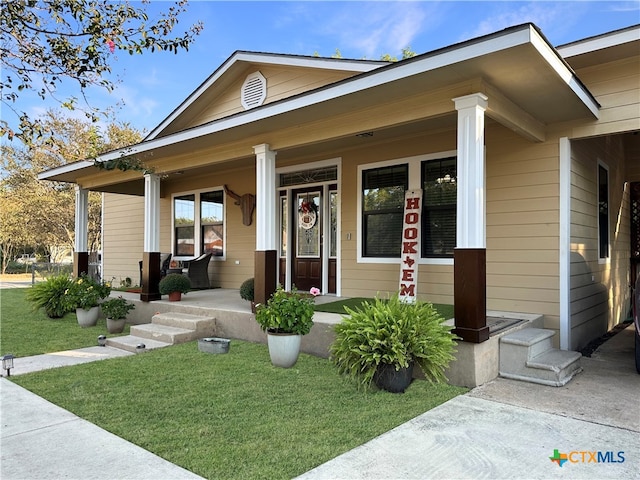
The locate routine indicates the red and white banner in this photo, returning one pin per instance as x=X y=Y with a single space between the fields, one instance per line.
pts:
x=410 y=246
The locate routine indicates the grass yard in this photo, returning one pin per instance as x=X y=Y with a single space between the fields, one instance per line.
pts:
x=446 y=311
x=233 y=415
x=24 y=332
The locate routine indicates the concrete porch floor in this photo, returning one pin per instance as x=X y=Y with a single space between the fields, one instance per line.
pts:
x=475 y=364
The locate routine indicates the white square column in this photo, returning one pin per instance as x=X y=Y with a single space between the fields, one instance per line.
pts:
x=266 y=210
x=151 y=253
x=471 y=210
x=469 y=258
x=80 y=254
x=266 y=259
x=151 y=213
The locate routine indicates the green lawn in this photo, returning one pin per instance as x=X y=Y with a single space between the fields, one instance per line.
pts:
x=233 y=415
x=446 y=311
x=24 y=332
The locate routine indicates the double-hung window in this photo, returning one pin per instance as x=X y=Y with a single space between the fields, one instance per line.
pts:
x=382 y=208
x=198 y=224
x=439 y=197
x=382 y=199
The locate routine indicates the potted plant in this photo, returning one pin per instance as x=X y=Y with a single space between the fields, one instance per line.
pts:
x=286 y=317
x=116 y=310
x=174 y=285
x=381 y=341
x=247 y=292
x=85 y=295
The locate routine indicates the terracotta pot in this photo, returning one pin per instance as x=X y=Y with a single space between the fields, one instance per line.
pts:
x=284 y=348
x=88 y=318
x=175 y=296
x=115 y=326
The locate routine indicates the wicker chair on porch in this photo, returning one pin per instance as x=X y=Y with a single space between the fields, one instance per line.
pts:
x=198 y=271
x=165 y=261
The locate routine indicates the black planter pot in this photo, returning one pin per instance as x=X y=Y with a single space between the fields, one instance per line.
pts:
x=392 y=380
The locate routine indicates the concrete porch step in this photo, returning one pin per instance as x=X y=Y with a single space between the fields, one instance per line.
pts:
x=163 y=333
x=204 y=325
x=528 y=341
x=130 y=342
x=528 y=355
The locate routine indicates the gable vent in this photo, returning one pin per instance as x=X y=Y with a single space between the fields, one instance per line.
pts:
x=254 y=91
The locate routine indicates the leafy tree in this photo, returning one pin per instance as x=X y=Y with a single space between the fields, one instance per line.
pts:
x=39 y=214
x=406 y=53
x=46 y=42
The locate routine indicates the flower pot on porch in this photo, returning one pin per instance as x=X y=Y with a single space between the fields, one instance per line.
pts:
x=88 y=318
x=284 y=348
x=175 y=296
x=115 y=326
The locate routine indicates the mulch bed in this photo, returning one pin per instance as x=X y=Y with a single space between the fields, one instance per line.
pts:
x=593 y=346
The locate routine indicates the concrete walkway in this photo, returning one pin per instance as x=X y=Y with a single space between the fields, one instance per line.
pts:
x=504 y=429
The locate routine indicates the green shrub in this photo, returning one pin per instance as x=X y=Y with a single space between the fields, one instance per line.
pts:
x=247 y=290
x=85 y=292
x=175 y=282
x=286 y=312
x=392 y=332
x=50 y=295
x=116 y=308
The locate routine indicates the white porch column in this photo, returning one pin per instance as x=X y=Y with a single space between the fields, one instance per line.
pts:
x=266 y=210
x=470 y=255
x=81 y=254
x=150 y=277
x=266 y=259
x=82 y=219
x=151 y=213
x=471 y=220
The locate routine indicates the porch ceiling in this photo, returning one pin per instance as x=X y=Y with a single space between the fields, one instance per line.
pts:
x=530 y=84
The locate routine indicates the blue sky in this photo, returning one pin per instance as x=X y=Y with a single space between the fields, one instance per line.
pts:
x=153 y=84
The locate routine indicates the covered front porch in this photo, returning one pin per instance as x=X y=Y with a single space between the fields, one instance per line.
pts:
x=476 y=363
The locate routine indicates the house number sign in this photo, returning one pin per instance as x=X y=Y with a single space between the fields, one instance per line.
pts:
x=410 y=245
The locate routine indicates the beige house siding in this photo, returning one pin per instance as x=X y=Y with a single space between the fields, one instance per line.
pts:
x=599 y=290
x=281 y=83
x=123 y=236
x=522 y=225
x=616 y=86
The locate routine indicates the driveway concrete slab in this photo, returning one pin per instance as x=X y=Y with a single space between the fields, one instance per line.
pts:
x=471 y=438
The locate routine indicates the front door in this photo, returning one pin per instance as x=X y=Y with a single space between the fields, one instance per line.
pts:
x=307 y=238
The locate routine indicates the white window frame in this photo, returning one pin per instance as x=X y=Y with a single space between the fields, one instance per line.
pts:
x=415 y=178
x=197 y=227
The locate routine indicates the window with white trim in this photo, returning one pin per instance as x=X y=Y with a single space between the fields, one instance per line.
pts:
x=198 y=224
x=382 y=200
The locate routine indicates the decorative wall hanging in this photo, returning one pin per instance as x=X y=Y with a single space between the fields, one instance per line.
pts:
x=247 y=203
x=307 y=214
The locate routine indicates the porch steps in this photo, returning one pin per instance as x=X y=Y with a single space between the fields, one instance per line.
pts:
x=166 y=329
x=528 y=355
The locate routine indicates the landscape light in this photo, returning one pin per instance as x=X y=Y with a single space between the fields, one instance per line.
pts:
x=7 y=363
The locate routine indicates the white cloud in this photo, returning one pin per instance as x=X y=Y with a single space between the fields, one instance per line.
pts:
x=551 y=17
x=371 y=29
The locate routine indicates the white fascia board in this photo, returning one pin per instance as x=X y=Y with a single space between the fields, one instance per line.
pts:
x=68 y=168
x=600 y=42
x=421 y=64
x=374 y=79
x=269 y=59
x=564 y=72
